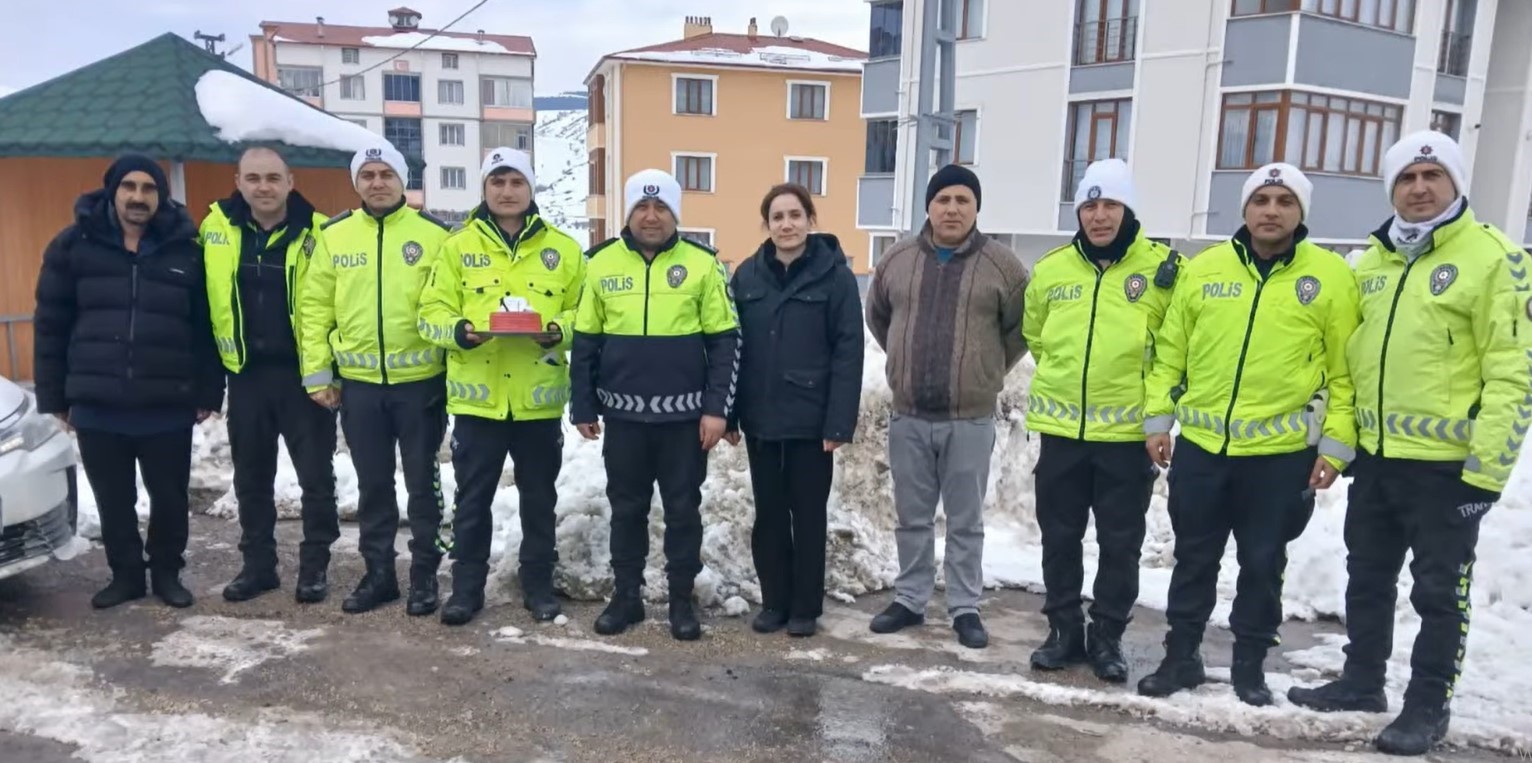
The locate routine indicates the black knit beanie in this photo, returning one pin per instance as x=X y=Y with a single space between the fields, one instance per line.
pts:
x=128 y=163
x=951 y=175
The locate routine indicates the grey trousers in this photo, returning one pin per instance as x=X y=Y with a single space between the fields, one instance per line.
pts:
x=946 y=461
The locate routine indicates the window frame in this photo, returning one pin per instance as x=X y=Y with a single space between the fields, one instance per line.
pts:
x=1127 y=32
x=711 y=233
x=712 y=157
x=873 y=253
x=964 y=16
x=489 y=83
x=1445 y=118
x=445 y=186
x=596 y=99
x=1369 y=166
x=1118 y=111
x=957 y=137
x=450 y=61
x=675 y=93
x=794 y=100
x=419 y=95
x=442 y=85
x=1336 y=9
x=357 y=84
x=518 y=129
x=824 y=173
x=890 y=152
x=881 y=9
x=306 y=91
x=461 y=128
x=351 y=55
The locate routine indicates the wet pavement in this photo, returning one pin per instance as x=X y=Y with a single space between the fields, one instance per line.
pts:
x=272 y=680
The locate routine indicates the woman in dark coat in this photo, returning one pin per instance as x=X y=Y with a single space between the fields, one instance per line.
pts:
x=800 y=387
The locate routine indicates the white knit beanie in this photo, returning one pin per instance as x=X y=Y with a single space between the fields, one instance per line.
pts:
x=508 y=158
x=652 y=184
x=385 y=153
x=1424 y=146
x=1279 y=174
x=1106 y=179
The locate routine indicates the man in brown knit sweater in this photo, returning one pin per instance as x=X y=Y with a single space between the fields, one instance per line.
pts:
x=946 y=306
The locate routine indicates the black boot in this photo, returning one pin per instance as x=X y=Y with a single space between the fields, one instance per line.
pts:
x=125 y=587
x=1347 y=694
x=313 y=581
x=970 y=631
x=1065 y=647
x=895 y=618
x=423 y=589
x=250 y=583
x=625 y=611
x=1417 y=729
x=166 y=584
x=684 y=625
x=379 y=586
x=769 y=621
x=538 y=597
x=467 y=598
x=1181 y=668
x=1248 y=674
x=1103 y=647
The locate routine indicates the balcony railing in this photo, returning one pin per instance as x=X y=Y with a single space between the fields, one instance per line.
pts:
x=1453 y=58
x=1106 y=41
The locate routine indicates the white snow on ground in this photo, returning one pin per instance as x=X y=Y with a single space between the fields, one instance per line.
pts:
x=513 y=635
x=240 y=110
x=57 y=700
x=424 y=41
x=230 y=644
x=769 y=56
x=563 y=174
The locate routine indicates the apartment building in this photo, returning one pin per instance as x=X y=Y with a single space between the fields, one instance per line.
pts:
x=446 y=99
x=1194 y=94
x=730 y=115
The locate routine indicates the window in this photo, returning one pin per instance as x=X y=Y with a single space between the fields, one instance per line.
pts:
x=301 y=81
x=596 y=99
x=1447 y=122
x=1106 y=31
x=695 y=172
x=453 y=134
x=357 y=122
x=405 y=135
x=449 y=60
x=694 y=95
x=353 y=88
x=970 y=18
x=1317 y=133
x=703 y=237
x=886 y=36
x=401 y=87
x=350 y=56
x=1457 y=38
x=809 y=173
x=880 y=244
x=808 y=100
x=1398 y=15
x=506 y=92
x=882 y=146
x=516 y=135
x=965 y=142
x=597 y=179
x=454 y=178
x=1097 y=130
x=449 y=91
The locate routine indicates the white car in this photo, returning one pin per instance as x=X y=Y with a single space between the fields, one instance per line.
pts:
x=37 y=483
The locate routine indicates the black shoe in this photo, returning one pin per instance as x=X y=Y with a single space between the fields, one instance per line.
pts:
x=802 y=627
x=1103 y=647
x=461 y=606
x=1181 y=668
x=123 y=589
x=896 y=618
x=423 y=590
x=1065 y=647
x=167 y=586
x=1248 y=674
x=378 y=587
x=250 y=583
x=313 y=583
x=1417 y=729
x=769 y=621
x=539 y=599
x=970 y=631
x=683 y=620
x=1343 y=695
x=625 y=611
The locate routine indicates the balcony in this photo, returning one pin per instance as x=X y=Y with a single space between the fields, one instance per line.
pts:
x=1108 y=41
x=1455 y=50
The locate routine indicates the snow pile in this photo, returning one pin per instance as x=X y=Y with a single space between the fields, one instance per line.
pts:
x=769 y=56
x=563 y=169
x=229 y=644
x=241 y=110
x=424 y=41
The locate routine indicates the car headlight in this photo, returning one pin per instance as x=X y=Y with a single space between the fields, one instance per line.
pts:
x=26 y=429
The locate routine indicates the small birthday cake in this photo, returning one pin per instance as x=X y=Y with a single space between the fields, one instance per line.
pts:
x=515 y=316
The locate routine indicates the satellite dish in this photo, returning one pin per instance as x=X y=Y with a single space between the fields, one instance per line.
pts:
x=779 y=26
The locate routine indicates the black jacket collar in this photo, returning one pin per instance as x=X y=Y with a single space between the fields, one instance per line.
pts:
x=300 y=216
x=95 y=215
x=820 y=255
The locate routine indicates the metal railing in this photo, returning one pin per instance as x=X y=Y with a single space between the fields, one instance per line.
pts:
x=1106 y=41
x=1453 y=57
x=13 y=367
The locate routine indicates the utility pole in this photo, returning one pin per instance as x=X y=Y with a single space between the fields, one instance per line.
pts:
x=936 y=83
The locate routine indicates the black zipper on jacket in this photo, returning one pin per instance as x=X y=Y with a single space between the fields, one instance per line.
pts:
x=382 y=352
x=132 y=312
x=1090 y=338
x=239 y=318
x=648 y=265
x=1388 y=330
x=1239 y=369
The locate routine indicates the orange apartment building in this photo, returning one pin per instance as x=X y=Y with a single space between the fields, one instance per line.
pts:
x=730 y=115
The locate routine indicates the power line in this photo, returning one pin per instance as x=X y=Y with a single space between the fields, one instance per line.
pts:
x=427 y=39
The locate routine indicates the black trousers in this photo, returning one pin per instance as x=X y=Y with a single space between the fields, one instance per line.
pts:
x=377 y=418
x=1074 y=478
x=267 y=402
x=1264 y=501
x=479 y=448
x=165 y=460
x=637 y=456
x=791 y=481
x=1398 y=505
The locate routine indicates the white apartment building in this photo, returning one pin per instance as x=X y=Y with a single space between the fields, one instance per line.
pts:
x=447 y=101
x=1195 y=94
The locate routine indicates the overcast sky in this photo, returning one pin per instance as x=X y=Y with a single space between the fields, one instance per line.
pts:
x=41 y=40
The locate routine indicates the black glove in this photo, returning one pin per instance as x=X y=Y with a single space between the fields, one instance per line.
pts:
x=1471 y=503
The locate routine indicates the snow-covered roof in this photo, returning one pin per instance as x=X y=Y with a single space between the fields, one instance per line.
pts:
x=439 y=42
x=769 y=56
x=241 y=110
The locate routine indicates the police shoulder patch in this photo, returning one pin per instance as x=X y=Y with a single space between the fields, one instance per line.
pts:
x=1134 y=286
x=336 y=219
x=675 y=276
x=593 y=251
x=1442 y=278
x=308 y=245
x=1308 y=289
x=550 y=258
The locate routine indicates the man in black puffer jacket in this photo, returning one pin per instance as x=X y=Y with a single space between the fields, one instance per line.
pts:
x=124 y=353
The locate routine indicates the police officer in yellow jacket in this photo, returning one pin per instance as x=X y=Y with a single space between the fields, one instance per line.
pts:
x=506 y=393
x=1444 y=402
x=257 y=246
x=359 y=315
x=1091 y=310
x=656 y=354
x=1251 y=361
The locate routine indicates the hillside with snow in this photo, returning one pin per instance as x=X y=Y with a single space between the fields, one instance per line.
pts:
x=563 y=175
